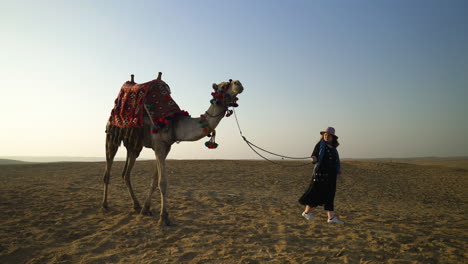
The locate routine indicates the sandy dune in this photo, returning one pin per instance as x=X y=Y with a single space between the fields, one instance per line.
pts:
x=235 y=212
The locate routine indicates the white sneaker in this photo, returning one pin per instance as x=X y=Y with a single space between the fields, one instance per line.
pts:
x=335 y=220
x=308 y=216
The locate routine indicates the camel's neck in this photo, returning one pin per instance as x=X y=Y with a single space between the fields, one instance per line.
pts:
x=214 y=114
x=189 y=129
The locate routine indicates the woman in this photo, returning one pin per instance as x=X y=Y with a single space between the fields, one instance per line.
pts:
x=322 y=188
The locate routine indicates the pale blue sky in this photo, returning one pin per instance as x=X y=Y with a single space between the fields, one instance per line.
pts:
x=390 y=76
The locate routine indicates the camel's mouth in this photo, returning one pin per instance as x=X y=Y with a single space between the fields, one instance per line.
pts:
x=238 y=90
x=237 y=87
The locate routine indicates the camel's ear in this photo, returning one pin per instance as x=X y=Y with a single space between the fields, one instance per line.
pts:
x=215 y=86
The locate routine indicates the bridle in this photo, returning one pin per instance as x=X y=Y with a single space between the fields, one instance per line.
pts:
x=222 y=98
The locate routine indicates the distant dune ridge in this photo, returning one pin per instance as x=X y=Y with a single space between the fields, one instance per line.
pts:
x=36 y=159
x=228 y=211
x=10 y=162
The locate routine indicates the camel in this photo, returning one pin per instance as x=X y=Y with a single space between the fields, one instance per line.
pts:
x=185 y=129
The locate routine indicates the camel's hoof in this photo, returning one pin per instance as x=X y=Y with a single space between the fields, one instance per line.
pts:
x=137 y=208
x=164 y=221
x=146 y=212
x=104 y=207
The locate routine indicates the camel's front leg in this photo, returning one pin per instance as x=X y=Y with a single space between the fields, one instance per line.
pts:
x=164 y=218
x=160 y=151
x=146 y=210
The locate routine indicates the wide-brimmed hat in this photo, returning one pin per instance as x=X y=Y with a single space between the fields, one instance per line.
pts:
x=329 y=130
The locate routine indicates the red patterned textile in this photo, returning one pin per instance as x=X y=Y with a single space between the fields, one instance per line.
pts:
x=132 y=99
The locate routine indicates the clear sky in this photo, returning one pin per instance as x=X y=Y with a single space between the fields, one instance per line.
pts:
x=390 y=76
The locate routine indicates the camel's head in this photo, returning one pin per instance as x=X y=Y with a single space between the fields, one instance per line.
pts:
x=225 y=93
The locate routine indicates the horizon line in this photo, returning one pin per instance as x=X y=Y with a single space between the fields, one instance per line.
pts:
x=52 y=159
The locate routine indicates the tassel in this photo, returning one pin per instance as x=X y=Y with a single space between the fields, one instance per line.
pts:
x=211 y=144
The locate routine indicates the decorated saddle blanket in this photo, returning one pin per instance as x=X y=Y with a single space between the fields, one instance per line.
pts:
x=152 y=97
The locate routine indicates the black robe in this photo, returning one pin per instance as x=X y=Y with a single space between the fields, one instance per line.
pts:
x=322 y=188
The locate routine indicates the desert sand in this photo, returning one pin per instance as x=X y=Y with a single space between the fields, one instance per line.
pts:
x=235 y=212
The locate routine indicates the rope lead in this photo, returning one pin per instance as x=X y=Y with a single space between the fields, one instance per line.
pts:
x=252 y=146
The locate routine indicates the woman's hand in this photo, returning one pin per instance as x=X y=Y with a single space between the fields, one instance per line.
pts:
x=314 y=159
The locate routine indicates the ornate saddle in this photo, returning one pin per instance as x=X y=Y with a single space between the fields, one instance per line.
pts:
x=134 y=100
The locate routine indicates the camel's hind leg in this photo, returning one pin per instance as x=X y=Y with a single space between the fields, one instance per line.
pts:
x=131 y=158
x=111 y=150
